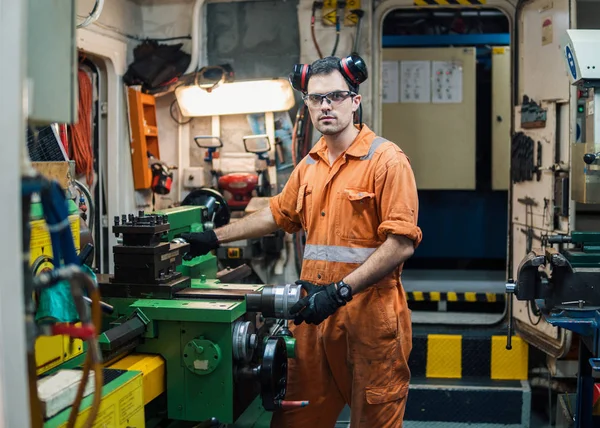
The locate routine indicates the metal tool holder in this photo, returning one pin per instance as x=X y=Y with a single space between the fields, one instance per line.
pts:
x=144 y=265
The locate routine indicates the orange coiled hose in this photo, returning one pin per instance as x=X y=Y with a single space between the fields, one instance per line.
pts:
x=81 y=132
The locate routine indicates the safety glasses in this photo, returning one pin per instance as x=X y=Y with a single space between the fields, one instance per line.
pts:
x=333 y=98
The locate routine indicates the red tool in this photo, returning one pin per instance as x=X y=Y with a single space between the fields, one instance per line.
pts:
x=240 y=185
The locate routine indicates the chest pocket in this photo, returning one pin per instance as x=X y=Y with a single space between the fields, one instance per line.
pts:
x=356 y=217
x=304 y=204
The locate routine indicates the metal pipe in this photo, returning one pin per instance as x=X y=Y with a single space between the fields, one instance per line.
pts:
x=510 y=291
x=196 y=37
x=94 y=15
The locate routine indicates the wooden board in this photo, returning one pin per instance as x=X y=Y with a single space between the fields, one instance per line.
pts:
x=58 y=171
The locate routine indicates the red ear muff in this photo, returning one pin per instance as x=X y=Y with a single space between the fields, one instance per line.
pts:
x=299 y=77
x=354 y=69
x=347 y=71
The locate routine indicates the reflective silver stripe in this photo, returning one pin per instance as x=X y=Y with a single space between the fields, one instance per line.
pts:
x=310 y=160
x=334 y=253
x=378 y=141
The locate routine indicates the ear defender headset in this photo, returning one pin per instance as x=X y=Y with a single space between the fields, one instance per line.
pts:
x=353 y=68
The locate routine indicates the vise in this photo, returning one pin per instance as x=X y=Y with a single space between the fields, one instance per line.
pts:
x=565 y=286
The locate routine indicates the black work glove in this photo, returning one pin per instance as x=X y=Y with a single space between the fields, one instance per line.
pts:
x=200 y=243
x=318 y=304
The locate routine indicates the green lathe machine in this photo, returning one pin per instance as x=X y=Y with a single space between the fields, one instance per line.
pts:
x=183 y=344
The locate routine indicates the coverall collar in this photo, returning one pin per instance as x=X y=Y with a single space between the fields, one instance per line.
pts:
x=359 y=147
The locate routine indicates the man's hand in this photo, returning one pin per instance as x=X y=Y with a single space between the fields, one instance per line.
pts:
x=319 y=303
x=200 y=243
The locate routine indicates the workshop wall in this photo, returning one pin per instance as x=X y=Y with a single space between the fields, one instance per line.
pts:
x=173 y=18
x=325 y=37
x=161 y=20
x=542 y=73
x=119 y=19
x=165 y=19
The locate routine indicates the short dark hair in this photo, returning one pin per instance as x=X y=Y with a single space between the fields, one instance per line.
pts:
x=328 y=65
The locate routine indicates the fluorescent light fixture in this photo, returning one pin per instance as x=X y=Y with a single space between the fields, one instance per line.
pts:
x=241 y=97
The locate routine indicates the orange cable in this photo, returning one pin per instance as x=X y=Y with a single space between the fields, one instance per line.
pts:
x=81 y=132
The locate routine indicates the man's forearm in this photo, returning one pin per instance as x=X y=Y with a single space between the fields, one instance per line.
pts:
x=393 y=252
x=255 y=225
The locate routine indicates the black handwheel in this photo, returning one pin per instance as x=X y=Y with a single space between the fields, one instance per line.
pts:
x=213 y=201
x=273 y=373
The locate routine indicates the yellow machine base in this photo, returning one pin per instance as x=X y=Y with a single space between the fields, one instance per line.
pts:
x=122 y=403
x=152 y=368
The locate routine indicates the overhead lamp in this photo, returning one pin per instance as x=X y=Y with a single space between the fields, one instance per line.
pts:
x=240 y=97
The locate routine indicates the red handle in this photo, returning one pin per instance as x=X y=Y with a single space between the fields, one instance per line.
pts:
x=293 y=404
x=85 y=332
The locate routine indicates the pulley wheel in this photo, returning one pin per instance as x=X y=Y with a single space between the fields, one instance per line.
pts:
x=218 y=210
x=273 y=373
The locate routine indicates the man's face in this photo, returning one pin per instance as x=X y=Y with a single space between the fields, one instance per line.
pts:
x=333 y=115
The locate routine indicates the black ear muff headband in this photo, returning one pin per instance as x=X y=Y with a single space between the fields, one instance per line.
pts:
x=353 y=68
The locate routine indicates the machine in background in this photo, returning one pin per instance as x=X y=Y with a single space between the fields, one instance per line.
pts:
x=565 y=283
x=243 y=193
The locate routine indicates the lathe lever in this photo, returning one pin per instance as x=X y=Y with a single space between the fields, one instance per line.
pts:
x=510 y=291
x=285 y=405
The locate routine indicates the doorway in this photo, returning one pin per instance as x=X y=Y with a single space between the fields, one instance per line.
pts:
x=447 y=103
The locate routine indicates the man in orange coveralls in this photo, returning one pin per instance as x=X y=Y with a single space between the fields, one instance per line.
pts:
x=356 y=198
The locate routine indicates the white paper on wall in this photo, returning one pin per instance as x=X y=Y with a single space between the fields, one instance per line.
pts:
x=447 y=78
x=415 y=81
x=389 y=75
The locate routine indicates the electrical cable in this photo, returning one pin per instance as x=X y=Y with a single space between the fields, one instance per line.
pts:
x=173 y=116
x=531 y=309
x=137 y=38
x=94 y=14
x=56 y=214
x=93 y=356
x=337 y=34
x=312 y=28
x=81 y=132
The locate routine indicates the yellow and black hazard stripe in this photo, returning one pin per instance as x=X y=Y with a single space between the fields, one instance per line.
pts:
x=457 y=356
x=450 y=296
x=448 y=2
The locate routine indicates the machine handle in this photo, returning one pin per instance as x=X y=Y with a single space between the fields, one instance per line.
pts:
x=109 y=309
x=510 y=291
x=590 y=158
x=287 y=405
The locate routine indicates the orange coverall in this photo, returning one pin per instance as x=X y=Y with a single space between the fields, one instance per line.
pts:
x=359 y=355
